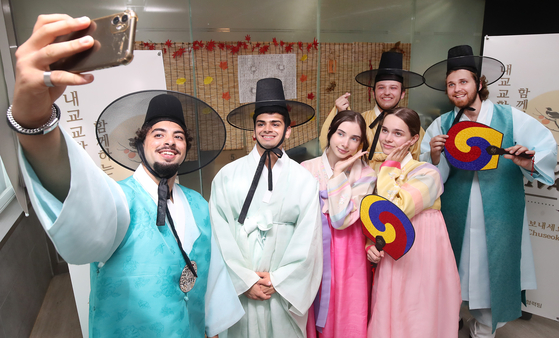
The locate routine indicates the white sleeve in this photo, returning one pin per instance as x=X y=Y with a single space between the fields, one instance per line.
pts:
x=90 y=224
x=529 y=132
x=223 y=308
x=434 y=130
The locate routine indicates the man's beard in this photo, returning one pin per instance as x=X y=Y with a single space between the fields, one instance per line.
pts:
x=470 y=101
x=166 y=169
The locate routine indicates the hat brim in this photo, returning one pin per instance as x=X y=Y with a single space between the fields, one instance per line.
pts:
x=242 y=117
x=409 y=79
x=492 y=69
x=119 y=121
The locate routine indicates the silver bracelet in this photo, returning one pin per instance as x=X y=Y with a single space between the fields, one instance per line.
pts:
x=44 y=129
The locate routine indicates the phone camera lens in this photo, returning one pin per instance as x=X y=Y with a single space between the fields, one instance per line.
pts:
x=124 y=18
x=116 y=20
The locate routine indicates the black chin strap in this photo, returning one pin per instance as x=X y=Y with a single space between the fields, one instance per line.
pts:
x=267 y=155
x=460 y=113
x=163 y=193
x=378 y=121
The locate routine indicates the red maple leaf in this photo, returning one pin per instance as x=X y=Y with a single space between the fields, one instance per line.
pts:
x=210 y=45
x=151 y=46
x=226 y=96
x=303 y=78
x=164 y=50
x=282 y=43
x=221 y=45
x=275 y=42
x=300 y=44
x=229 y=47
x=289 y=48
x=310 y=96
x=289 y=108
x=309 y=47
x=239 y=43
x=179 y=52
x=235 y=49
x=247 y=37
x=146 y=44
x=245 y=45
x=315 y=44
x=168 y=43
x=263 y=49
x=256 y=46
x=223 y=65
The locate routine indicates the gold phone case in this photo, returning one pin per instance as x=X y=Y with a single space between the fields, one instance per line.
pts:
x=114 y=37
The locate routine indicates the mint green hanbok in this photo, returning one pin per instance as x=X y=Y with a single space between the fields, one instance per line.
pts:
x=136 y=265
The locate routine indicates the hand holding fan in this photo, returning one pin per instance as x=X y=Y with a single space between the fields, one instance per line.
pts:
x=380 y=217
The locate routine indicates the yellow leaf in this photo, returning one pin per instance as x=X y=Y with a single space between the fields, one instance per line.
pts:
x=181 y=80
x=304 y=57
x=208 y=80
x=206 y=111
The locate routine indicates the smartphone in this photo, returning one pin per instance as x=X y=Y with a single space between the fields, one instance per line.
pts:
x=114 y=37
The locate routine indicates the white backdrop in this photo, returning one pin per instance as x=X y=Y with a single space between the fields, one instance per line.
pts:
x=80 y=107
x=530 y=84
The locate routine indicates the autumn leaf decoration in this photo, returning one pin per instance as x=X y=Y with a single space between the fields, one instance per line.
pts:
x=310 y=96
x=289 y=48
x=303 y=78
x=196 y=45
x=226 y=96
x=179 y=52
x=210 y=45
x=223 y=65
x=263 y=49
x=150 y=46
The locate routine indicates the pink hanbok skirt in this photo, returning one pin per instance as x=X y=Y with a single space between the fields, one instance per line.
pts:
x=418 y=296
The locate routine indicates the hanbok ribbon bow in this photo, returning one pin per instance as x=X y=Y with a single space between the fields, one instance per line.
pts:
x=254 y=223
x=267 y=155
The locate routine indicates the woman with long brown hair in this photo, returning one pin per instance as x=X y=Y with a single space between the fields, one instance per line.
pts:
x=341 y=307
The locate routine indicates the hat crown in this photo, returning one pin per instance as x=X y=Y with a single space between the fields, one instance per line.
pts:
x=462 y=50
x=164 y=107
x=391 y=60
x=462 y=57
x=269 y=89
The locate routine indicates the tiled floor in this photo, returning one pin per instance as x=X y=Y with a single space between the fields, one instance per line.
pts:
x=537 y=327
x=58 y=318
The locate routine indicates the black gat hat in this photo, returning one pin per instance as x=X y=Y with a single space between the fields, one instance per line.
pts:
x=390 y=68
x=462 y=57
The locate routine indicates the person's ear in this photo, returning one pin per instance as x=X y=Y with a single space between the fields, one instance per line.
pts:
x=414 y=139
x=288 y=132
